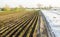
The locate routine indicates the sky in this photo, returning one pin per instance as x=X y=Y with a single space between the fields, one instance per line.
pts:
x=29 y=3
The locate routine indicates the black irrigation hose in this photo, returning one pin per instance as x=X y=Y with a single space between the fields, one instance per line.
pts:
x=22 y=29
x=15 y=27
